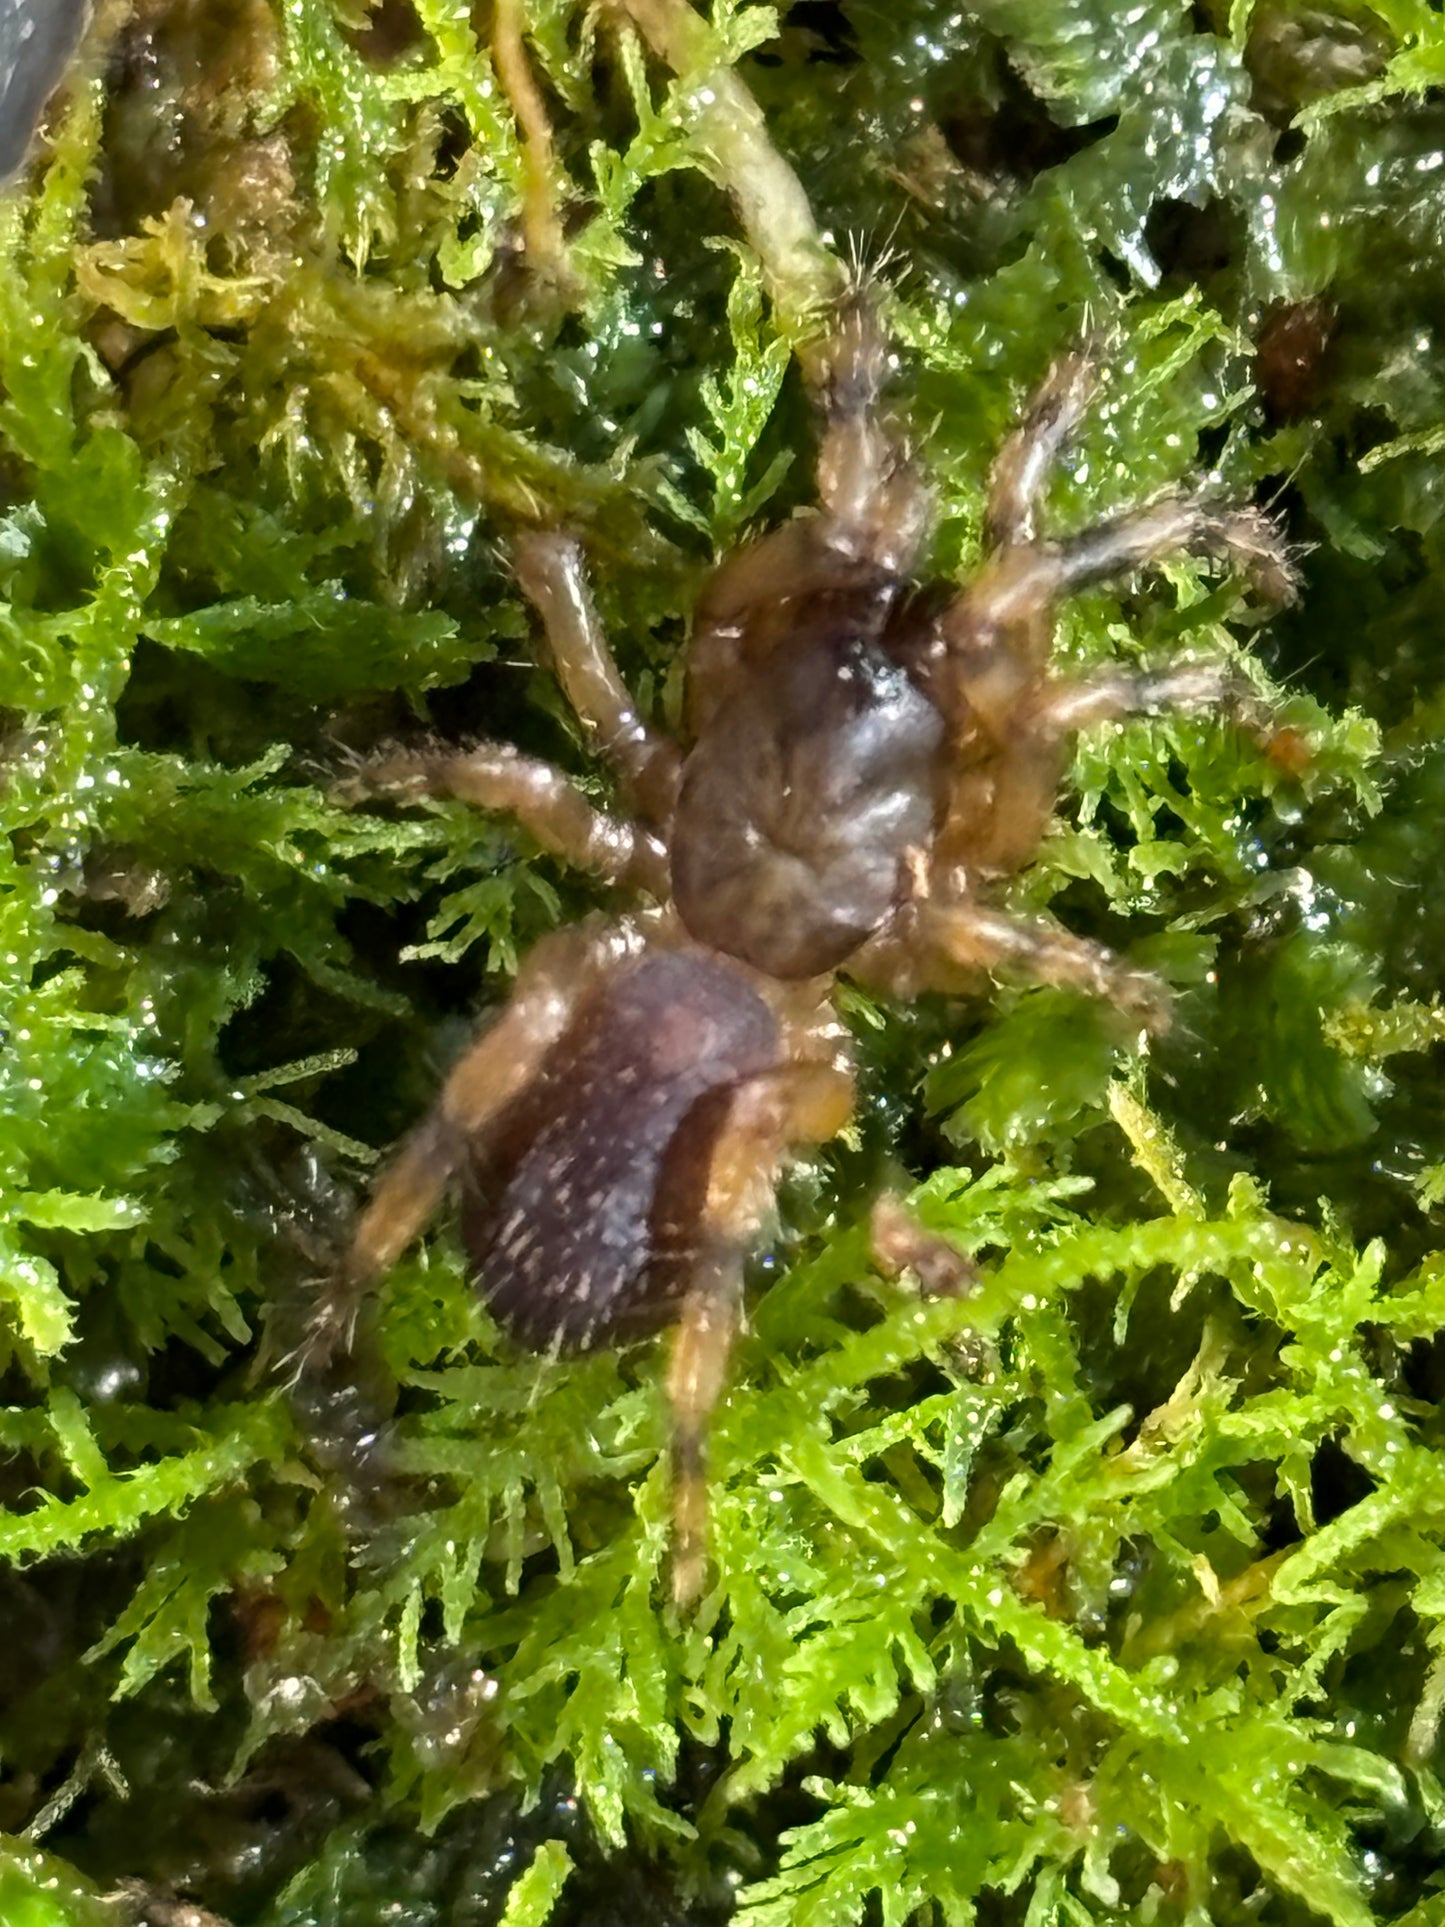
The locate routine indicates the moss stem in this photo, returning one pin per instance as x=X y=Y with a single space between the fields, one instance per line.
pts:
x=803 y=277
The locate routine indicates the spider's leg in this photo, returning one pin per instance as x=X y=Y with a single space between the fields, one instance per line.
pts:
x=980 y=937
x=550 y=569
x=1021 y=469
x=875 y=504
x=546 y=803
x=696 y=1374
x=899 y=1243
x=943 y=940
x=1019 y=583
x=498 y=1066
x=545 y=247
x=990 y=646
x=797 y=1104
x=1002 y=793
x=1069 y=703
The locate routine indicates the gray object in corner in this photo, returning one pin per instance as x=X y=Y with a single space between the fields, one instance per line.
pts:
x=37 y=39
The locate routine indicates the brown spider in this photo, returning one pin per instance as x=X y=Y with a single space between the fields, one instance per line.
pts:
x=862 y=761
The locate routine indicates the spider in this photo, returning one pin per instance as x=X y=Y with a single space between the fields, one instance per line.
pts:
x=863 y=759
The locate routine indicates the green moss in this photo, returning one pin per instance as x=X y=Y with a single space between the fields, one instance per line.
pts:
x=1115 y=1592
x=36 y=1890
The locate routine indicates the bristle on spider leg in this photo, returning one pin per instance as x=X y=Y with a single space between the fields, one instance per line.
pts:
x=331 y=1316
x=1254 y=542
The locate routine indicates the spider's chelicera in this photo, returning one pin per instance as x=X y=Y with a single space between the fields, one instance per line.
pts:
x=863 y=760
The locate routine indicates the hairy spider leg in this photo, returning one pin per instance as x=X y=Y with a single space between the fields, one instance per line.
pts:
x=553 y=577
x=1022 y=467
x=1141 y=538
x=984 y=938
x=875 y=504
x=987 y=669
x=1069 y=703
x=796 y=1104
x=546 y=245
x=976 y=667
x=1012 y=719
x=559 y=972
x=547 y=804
x=940 y=943
x=1002 y=802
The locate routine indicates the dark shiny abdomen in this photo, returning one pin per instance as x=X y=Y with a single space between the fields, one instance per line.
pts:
x=565 y=1217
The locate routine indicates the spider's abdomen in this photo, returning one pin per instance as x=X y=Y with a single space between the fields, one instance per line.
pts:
x=582 y=1215
x=810 y=784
